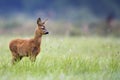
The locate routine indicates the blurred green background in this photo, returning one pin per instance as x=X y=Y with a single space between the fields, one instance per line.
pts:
x=65 y=17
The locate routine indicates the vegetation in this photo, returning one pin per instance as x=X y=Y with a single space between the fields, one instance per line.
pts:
x=65 y=58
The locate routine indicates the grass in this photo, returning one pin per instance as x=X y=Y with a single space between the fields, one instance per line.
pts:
x=65 y=58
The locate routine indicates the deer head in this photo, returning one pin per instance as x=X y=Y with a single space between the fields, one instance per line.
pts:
x=41 y=28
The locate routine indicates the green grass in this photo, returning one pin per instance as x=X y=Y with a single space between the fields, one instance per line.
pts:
x=70 y=58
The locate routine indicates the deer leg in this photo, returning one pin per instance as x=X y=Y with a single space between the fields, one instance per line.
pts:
x=15 y=58
x=33 y=54
x=32 y=58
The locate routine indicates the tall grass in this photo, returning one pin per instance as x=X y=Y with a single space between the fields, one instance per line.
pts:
x=65 y=58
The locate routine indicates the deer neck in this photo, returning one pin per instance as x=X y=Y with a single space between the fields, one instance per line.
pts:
x=37 y=39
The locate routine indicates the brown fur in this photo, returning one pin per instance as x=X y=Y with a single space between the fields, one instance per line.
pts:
x=28 y=47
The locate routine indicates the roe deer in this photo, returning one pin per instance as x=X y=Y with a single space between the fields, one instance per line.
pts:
x=28 y=48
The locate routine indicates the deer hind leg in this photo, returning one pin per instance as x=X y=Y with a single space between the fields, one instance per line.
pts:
x=15 y=58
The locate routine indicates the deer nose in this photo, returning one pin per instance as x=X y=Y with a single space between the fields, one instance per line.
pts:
x=47 y=33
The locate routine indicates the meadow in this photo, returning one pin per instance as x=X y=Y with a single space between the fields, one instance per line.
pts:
x=65 y=58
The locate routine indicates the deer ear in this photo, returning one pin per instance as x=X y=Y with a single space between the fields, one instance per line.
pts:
x=38 y=20
x=45 y=21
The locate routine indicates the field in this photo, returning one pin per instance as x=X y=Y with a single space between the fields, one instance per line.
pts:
x=65 y=58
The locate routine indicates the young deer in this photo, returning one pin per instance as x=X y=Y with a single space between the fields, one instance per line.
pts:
x=28 y=48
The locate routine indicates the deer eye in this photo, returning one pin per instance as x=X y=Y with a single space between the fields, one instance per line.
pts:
x=42 y=27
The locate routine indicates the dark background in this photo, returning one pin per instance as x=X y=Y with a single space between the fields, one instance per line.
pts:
x=73 y=15
x=97 y=7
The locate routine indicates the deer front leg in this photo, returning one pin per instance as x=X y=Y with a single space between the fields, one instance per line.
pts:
x=32 y=58
x=34 y=53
